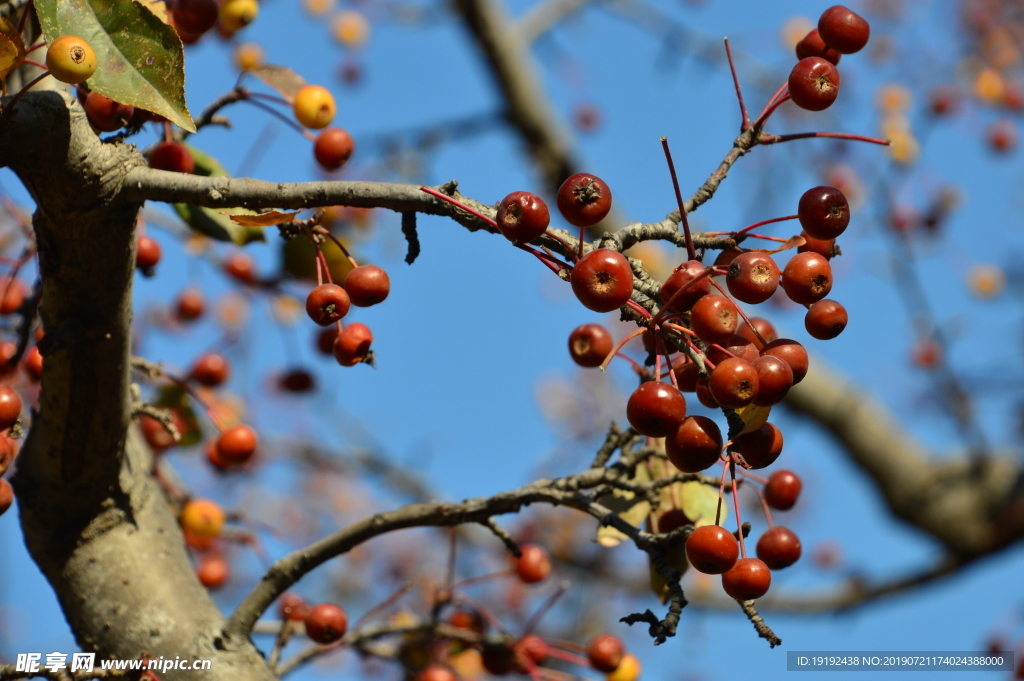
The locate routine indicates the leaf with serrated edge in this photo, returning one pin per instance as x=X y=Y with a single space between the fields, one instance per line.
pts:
x=140 y=60
x=12 y=48
x=753 y=418
x=281 y=78
x=268 y=219
x=699 y=503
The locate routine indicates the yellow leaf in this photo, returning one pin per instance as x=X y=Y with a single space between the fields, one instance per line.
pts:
x=753 y=418
x=268 y=219
x=12 y=48
x=676 y=557
x=699 y=503
x=626 y=506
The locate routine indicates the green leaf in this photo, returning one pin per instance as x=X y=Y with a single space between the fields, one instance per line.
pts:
x=174 y=397
x=140 y=60
x=213 y=222
x=699 y=503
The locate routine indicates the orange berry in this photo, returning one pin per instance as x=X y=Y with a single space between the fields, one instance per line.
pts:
x=314 y=107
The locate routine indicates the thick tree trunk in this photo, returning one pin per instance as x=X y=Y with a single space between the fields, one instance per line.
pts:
x=93 y=517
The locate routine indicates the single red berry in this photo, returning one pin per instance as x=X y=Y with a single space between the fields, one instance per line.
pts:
x=843 y=30
x=33 y=363
x=147 y=253
x=779 y=547
x=325 y=340
x=1002 y=136
x=681 y=277
x=468 y=619
x=926 y=353
x=437 y=672
x=807 y=278
x=173 y=157
x=712 y=549
x=327 y=303
x=7 y=351
x=211 y=370
x=656 y=409
x=763 y=326
x=737 y=345
x=761 y=447
x=326 y=623
x=297 y=381
x=13 y=292
x=672 y=519
x=10 y=407
x=782 y=490
x=352 y=345
x=774 y=379
x=194 y=17
x=589 y=344
x=747 y=580
x=294 y=608
x=6 y=495
x=792 y=353
x=703 y=390
x=695 y=446
x=535 y=648
x=813 y=46
x=753 y=277
x=237 y=444
x=686 y=374
x=522 y=217
x=213 y=571
x=534 y=565
x=584 y=200
x=714 y=319
x=367 y=285
x=240 y=266
x=734 y=383
x=605 y=652
x=333 y=147
x=156 y=434
x=825 y=319
x=602 y=280
x=944 y=99
x=105 y=114
x=814 y=84
x=824 y=212
x=190 y=305
x=826 y=248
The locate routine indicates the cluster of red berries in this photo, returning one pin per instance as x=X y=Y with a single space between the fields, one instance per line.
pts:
x=814 y=81
x=194 y=18
x=327 y=304
x=325 y=623
x=10 y=412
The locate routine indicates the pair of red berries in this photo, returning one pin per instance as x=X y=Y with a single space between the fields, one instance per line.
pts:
x=364 y=286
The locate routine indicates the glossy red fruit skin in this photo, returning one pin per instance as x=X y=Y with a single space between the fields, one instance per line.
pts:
x=194 y=17
x=814 y=84
x=602 y=280
x=13 y=295
x=6 y=495
x=190 y=305
x=826 y=248
x=747 y=580
x=105 y=114
x=761 y=447
x=605 y=653
x=10 y=407
x=763 y=326
x=792 y=353
x=703 y=391
x=367 y=285
x=695 y=446
x=671 y=519
x=535 y=648
x=584 y=200
x=522 y=217
x=326 y=623
x=824 y=212
x=237 y=444
x=589 y=344
x=656 y=409
x=753 y=277
x=327 y=303
x=212 y=571
x=333 y=147
x=843 y=30
x=211 y=370
x=782 y=490
x=147 y=253
x=714 y=319
x=738 y=345
x=826 y=319
x=172 y=157
x=679 y=278
x=813 y=46
x=807 y=278
x=686 y=375
x=156 y=435
x=712 y=549
x=534 y=565
x=734 y=383
x=353 y=344
x=293 y=608
x=774 y=378
x=779 y=547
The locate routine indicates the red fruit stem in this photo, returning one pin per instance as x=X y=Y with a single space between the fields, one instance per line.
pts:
x=30 y=48
x=721 y=496
x=677 y=327
x=319 y=270
x=639 y=309
x=340 y=245
x=765 y=222
x=33 y=62
x=248 y=97
x=745 y=123
x=736 y=505
x=323 y=261
x=766 y=238
x=459 y=204
x=668 y=361
x=716 y=346
x=491 y=618
x=568 y=657
x=552 y=263
x=183 y=384
x=742 y=313
x=755 y=477
x=776 y=139
x=167 y=132
x=269 y=98
x=690 y=251
x=568 y=249
x=618 y=346
x=548 y=603
x=657 y=351
x=24 y=16
x=565 y=645
x=383 y=605
x=482 y=578
x=775 y=104
x=675 y=295
x=764 y=505
x=636 y=367
x=22 y=91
